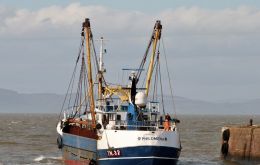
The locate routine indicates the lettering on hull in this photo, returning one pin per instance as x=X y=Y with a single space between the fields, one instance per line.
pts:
x=152 y=138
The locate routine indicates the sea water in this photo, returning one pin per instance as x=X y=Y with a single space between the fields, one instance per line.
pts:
x=30 y=139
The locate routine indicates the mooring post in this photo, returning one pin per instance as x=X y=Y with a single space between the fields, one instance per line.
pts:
x=251 y=122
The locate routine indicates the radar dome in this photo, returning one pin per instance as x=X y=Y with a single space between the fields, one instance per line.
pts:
x=140 y=99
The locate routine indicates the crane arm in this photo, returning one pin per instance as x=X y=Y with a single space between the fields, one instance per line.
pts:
x=156 y=35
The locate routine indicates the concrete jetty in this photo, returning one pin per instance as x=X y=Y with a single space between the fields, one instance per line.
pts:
x=241 y=142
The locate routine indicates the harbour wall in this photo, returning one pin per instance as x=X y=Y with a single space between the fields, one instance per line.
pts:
x=241 y=142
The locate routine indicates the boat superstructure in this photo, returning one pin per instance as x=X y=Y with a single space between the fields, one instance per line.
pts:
x=122 y=125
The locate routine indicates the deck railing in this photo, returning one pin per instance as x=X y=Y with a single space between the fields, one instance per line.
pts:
x=141 y=125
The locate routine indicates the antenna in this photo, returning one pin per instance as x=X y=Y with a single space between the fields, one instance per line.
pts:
x=102 y=51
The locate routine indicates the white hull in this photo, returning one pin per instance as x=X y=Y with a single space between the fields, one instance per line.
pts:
x=133 y=138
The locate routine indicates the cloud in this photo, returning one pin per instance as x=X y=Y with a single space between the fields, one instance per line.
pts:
x=208 y=49
x=191 y=21
x=60 y=20
x=194 y=20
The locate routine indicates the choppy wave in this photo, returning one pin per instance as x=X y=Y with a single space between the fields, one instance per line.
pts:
x=50 y=159
x=31 y=139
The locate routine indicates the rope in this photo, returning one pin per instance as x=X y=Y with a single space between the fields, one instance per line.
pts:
x=86 y=91
x=78 y=95
x=94 y=50
x=80 y=53
x=155 y=81
x=71 y=82
x=160 y=76
x=144 y=59
x=169 y=78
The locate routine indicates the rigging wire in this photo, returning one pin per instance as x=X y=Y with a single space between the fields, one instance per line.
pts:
x=80 y=53
x=86 y=99
x=94 y=62
x=144 y=58
x=95 y=54
x=158 y=74
x=155 y=82
x=96 y=70
x=71 y=82
x=144 y=79
x=160 y=77
x=79 y=89
x=155 y=93
x=169 y=79
x=155 y=64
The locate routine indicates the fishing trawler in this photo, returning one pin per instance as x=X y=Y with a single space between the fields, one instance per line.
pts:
x=125 y=124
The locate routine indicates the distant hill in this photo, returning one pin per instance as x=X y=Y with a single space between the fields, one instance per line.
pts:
x=189 y=106
x=14 y=102
x=11 y=102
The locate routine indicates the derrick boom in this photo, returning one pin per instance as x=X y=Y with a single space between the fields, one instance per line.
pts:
x=154 y=40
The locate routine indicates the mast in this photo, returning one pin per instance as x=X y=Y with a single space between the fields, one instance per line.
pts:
x=156 y=36
x=88 y=35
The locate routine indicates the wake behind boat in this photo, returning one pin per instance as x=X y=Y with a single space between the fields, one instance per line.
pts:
x=125 y=124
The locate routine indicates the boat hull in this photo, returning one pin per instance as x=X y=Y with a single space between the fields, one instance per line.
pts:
x=143 y=161
x=78 y=150
x=141 y=155
x=122 y=147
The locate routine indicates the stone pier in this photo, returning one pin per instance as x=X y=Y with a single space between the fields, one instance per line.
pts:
x=241 y=142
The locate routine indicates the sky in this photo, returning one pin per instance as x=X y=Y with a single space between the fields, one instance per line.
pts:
x=212 y=46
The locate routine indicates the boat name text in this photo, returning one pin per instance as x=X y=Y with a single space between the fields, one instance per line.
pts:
x=153 y=138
